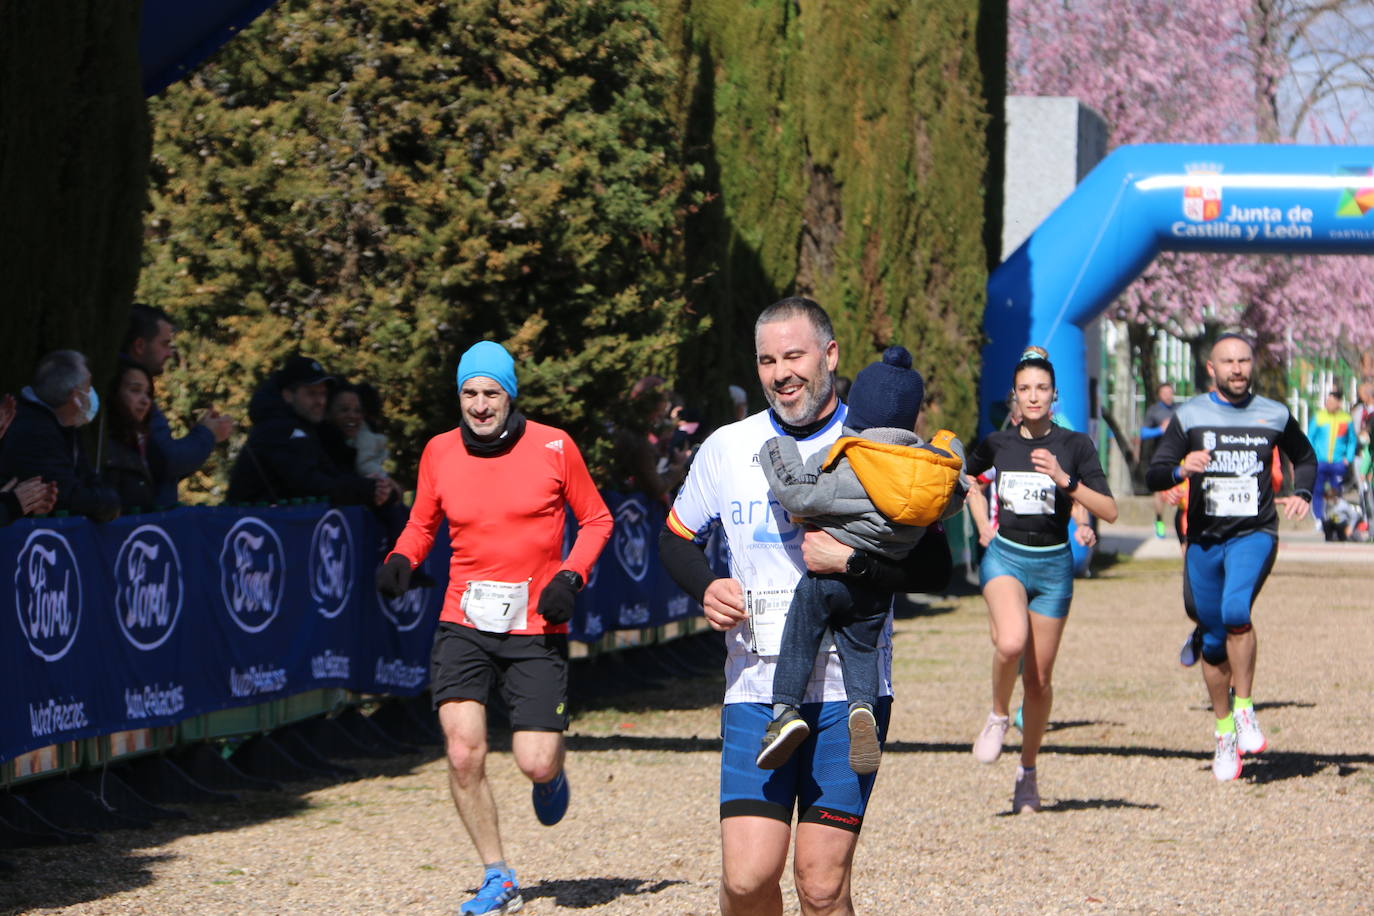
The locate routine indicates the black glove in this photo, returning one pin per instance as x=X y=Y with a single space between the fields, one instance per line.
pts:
x=393 y=576
x=557 y=598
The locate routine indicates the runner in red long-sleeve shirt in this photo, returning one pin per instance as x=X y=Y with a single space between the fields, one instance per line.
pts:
x=504 y=484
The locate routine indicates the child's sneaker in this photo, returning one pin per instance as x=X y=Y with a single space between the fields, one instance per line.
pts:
x=499 y=893
x=865 y=754
x=987 y=747
x=784 y=735
x=1249 y=738
x=1226 y=762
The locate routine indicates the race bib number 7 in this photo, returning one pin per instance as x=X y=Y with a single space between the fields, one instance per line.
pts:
x=1026 y=492
x=497 y=607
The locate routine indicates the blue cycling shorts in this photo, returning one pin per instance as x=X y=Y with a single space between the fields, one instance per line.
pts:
x=1045 y=572
x=817 y=782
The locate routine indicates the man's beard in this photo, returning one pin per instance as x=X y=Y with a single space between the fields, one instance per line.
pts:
x=815 y=395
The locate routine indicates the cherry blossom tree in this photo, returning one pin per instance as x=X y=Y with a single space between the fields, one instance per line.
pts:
x=1205 y=71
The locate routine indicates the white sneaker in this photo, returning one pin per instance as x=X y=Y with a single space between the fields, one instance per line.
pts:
x=1249 y=738
x=1226 y=763
x=987 y=747
x=1026 y=796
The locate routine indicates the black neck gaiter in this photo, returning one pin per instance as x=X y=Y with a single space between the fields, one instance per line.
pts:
x=801 y=432
x=504 y=441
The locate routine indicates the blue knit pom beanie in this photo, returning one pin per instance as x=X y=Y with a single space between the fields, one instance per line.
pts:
x=488 y=359
x=886 y=393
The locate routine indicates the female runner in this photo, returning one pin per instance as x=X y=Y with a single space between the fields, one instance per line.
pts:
x=1044 y=474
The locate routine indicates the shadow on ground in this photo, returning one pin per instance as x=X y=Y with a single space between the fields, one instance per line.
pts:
x=589 y=892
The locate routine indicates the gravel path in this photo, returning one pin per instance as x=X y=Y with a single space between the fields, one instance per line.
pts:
x=1134 y=820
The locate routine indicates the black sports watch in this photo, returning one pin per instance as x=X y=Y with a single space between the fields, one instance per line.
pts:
x=859 y=565
x=570 y=576
x=1071 y=483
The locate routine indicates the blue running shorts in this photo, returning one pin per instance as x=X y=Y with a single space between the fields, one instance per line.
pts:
x=1046 y=573
x=817 y=782
x=1222 y=579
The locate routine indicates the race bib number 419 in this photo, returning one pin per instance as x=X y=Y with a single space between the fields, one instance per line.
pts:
x=1231 y=497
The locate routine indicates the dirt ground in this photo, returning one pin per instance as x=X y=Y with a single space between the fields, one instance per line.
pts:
x=1134 y=821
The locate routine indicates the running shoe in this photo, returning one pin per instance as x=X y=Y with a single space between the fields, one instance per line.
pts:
x=1249 y=738
x=1226 y=763
x=988 y=745
x=865 y=754
x=784 y=735
x=1159 y=528
x=551 y=799
x=1026 y=796
x=1192 y=649
x=1017 y=720
x=499 y=893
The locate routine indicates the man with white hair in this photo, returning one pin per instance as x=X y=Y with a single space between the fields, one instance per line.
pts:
x=43 y=442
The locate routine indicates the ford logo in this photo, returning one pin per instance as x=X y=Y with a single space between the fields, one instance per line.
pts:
x=252 y=564
x=148 y=587
x=331 y=564
x=631 y=539
x=406 y=612
x=47 y=594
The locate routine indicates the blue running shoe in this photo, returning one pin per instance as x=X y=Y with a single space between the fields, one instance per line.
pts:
x=551 y=799
x=1017 y=720
x=499 y=893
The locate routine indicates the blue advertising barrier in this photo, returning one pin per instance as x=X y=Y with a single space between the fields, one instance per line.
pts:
x=153 y=619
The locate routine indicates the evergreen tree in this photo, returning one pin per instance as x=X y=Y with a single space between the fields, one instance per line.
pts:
x=380 y=184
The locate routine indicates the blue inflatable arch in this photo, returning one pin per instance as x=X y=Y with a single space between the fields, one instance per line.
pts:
x=1142 y=200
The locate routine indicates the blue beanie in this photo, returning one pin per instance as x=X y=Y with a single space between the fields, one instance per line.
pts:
x=886 y=393
x=488 y=359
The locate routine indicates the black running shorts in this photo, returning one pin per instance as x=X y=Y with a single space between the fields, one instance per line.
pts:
x=530 y=671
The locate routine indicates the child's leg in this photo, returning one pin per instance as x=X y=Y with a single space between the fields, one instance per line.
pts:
x=807 y=618
x=857 y=631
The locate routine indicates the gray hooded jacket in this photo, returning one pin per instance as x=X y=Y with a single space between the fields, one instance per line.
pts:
x=835 y=500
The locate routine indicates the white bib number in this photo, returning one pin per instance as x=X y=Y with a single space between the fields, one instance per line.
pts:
x=1231 y=497
x=497 y=607
x=767 y=609
x=1026 y=492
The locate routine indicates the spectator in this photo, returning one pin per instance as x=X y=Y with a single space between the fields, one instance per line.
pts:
x=43 y=441
x=842 y=383
x=124 y=450
x=148 y=343
x=739 y=402
x=1156 y=420
x=373 y=454
x=1332 y=434
x=34 y=496
x=637 y=444
x=283 y=457
x=344 y=430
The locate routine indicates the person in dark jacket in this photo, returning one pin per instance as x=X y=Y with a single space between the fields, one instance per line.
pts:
x=283 y=457
x=124 y=451
x=43 y=442
x=148 y=343
x=34 y=496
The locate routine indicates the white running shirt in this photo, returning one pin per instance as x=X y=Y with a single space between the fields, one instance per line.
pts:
x=726 y=483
